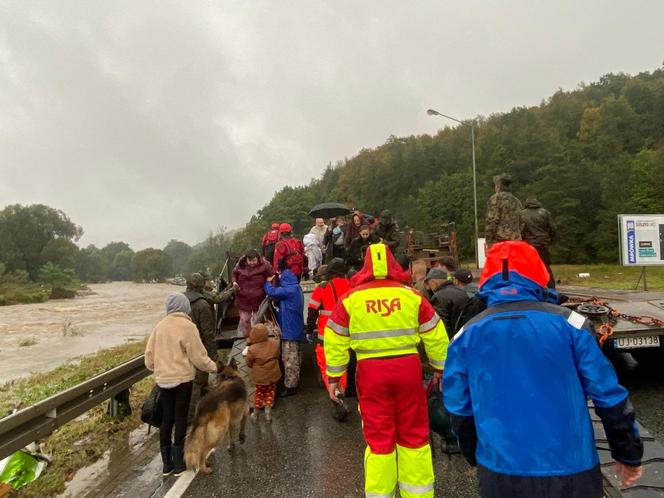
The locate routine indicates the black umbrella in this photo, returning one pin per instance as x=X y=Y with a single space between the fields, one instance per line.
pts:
x=328 y=210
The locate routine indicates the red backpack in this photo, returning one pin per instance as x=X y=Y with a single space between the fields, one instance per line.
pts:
x=271 y=237
x=294 y=256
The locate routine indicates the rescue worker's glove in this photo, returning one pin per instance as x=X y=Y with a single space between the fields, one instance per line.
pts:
x=340 y=410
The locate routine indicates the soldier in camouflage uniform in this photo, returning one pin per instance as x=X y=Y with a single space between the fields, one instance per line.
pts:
x=388 y=231
x=212 y=295
x=503 y=217
x=202 y=314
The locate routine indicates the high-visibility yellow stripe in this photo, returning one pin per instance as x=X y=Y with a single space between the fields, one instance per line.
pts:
x=411 y=347
x=416 y=490
x=427 y=326
x=336 y=369
x=379 y=260
x=338 y=328
x=381 y=334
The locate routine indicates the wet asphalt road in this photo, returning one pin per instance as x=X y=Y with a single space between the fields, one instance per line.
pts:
x=305 y=453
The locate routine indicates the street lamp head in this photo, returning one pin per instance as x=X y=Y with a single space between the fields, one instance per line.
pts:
x=431 y=112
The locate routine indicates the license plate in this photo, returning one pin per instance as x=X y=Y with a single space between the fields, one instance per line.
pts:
x=636 y=342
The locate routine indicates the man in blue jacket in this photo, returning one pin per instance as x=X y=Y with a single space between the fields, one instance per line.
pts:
x=291 y=321
x=516 y=381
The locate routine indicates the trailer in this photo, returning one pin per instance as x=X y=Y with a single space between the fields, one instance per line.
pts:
x=431 y=247
x=625 y=322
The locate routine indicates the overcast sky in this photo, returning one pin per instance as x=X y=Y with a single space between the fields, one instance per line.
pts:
x=151 y=120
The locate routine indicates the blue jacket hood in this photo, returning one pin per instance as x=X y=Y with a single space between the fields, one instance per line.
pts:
x=287 y=277
x=516 y=288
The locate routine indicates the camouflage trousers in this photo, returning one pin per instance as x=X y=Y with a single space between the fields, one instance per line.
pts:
x=290 y=355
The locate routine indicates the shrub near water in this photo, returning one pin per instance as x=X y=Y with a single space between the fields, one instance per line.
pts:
x=15 y=287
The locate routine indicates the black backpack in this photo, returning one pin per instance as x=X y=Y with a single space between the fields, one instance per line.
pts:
x=151 y=410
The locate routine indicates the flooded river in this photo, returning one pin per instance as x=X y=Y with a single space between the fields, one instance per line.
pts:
x=40 y=337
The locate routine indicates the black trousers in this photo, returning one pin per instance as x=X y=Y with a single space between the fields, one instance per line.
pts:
x=175 y=407
x=545 y=256
x=586 y=484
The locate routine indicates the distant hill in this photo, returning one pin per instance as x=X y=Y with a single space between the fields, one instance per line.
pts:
x=587 y=155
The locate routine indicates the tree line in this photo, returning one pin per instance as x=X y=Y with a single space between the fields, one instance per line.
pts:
x=586 y=154
x=39 y=257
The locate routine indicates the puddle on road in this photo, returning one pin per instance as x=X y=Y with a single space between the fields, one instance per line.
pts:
x=64 y=329
x=112 y=463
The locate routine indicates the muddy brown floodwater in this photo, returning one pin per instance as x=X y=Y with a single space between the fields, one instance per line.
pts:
x=64 y=329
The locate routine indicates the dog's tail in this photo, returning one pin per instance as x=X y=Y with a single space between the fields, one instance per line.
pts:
x=194 y=446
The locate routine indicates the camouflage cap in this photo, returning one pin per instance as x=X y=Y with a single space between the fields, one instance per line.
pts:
x=196 y=281
x=504 y=180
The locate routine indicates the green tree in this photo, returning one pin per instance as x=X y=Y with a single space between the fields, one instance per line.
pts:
x=26 y=230
x=179 y=252
x=91 y=265
x=63 y=282
x=121 y=266
x=151 y=264
x=61 y=252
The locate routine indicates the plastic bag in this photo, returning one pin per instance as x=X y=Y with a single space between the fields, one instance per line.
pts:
x=19 y=469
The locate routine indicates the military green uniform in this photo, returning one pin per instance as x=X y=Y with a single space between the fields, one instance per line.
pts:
x=503 y=218
x=388 y=231
x=203 y=316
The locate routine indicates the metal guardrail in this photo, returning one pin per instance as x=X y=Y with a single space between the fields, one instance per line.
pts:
x=41 y=419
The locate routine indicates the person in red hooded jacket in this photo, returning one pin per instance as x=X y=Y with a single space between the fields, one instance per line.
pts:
x=270 y=239
x=290 y=249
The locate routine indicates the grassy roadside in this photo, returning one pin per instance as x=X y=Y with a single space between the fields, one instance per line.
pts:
x=82 y=441
x=608 y=276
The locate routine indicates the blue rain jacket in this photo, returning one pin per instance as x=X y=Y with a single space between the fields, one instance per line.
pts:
x=517 y=377
x=291 y=305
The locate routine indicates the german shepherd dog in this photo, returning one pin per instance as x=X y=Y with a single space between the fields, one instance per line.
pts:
x=223 y=409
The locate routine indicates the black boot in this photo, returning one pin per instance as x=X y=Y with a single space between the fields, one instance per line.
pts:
x=178 y=460
x=287 y=391
x=167 y=460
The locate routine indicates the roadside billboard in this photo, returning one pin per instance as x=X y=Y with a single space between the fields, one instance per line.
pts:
x=641 y=239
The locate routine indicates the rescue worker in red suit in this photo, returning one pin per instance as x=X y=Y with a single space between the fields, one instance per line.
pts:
x=383 y=321
x=322 y=302
x=270 y=239
x=290 y=249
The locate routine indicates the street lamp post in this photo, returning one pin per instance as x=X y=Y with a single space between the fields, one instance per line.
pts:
x=432 y=112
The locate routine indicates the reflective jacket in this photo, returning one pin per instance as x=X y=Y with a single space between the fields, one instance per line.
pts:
x=324 y=299
x=382 y=317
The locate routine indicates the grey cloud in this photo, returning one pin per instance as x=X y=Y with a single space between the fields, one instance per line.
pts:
x=147 y=121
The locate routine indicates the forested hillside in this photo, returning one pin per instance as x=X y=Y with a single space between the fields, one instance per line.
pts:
x=586 y=154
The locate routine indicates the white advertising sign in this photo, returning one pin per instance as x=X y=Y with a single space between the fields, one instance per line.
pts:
x=481 y=252
x=641 y=239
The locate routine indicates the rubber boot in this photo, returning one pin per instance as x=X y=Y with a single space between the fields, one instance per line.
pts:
x=268 y=414
x=167 y=460
x=178 y=460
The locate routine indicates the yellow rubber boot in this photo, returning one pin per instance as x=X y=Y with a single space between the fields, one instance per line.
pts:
x=416 y=477
x=380 y=473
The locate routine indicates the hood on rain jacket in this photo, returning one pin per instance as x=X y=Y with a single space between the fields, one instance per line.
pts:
x=263 y=356
x=312 y=249
x=291 y=305
x=251 y=280
x=517 y=377
x=537 y=227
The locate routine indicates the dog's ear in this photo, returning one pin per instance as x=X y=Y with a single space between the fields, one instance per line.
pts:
x=232 y=364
